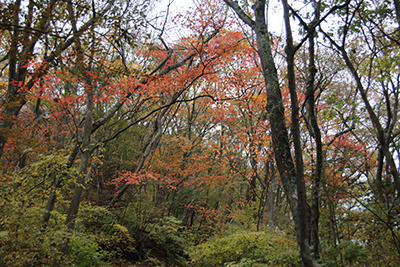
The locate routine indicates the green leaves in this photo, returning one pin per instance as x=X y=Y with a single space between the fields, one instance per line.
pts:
x=241 y=248
x=346 y=253
x=269 y=37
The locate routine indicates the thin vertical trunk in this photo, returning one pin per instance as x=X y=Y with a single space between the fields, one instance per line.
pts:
x=302 y=226
x=397 y=10
x=378 y=178
x=271 y=194
x=84 y=163
x=316 y=133
x=87 y=125
x=276 y=117
x=51 y=200
x=251 y=194
x=335 y=237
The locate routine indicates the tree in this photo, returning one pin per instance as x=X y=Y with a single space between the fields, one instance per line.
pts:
x=143 y=139
x=359 y=67
x=368 y=46
x=292 y=180
x=35 y=33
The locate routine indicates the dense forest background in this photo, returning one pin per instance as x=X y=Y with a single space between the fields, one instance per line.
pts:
x=132 y=134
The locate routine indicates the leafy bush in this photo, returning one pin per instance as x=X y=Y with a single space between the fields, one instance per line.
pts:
x=344 y=254
x=24 y=194
x=165 y=244
x=119 y=244
x=109 y=235
x=85 y=252
x=27 y=243
x=30 y=249
x=247 y=249
x=94 y=219
x=30 y=244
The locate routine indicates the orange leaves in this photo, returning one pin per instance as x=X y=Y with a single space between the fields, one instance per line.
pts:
x=128 y=177
x=350 y=143
x=16 y=83
x=179 y=163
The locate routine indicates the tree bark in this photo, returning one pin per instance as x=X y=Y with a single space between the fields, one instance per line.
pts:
x=276 y=117
x=84 y=163
x=315 y=132
x=271 y=200
x=51 y=200
x=397 y=10
x=303 y=231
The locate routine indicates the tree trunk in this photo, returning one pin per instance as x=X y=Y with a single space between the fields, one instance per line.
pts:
x=302 y=224
x=271 y=193
x=276 y=117
x=84 y=163
x=315 y=132
x=397 y=10
x=51 y=200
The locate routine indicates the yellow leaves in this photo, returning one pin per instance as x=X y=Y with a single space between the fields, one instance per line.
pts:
x=3 y=233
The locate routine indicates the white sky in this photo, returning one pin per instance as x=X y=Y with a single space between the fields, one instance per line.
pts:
x=275 y=16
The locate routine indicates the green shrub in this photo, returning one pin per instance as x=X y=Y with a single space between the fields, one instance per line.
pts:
x=30 y=249
x=109 y=235
x=27 y=243
x=247 y=249
x=85 y=252
x=119 y=244
x=347 y=253
x=94 y=219
x=165 y=243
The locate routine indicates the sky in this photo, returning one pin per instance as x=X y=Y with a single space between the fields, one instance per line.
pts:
x=276 y=25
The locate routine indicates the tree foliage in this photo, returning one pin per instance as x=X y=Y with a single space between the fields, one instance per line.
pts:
x=164 y=138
